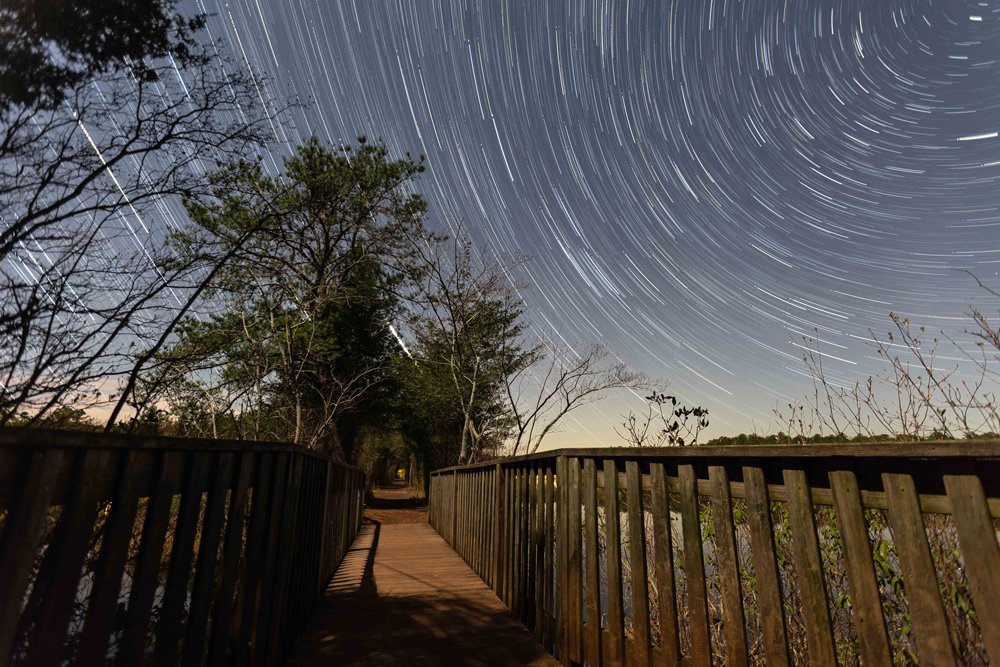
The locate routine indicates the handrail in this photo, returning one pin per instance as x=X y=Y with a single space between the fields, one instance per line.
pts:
x=194 y=551
x=895 y=450
x=820 y=551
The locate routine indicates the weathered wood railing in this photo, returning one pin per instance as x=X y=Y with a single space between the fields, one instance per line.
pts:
x=135 y=550
x=808 y=555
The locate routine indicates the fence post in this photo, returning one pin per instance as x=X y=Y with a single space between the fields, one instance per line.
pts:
x=323 y=548
x=454 y=506
x=361 y=503
x=562 y=560
x=497 y=522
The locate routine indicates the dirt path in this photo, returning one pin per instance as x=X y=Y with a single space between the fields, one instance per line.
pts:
x=397 y=504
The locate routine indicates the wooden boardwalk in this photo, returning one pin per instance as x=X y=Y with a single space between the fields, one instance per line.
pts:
x=403 y=597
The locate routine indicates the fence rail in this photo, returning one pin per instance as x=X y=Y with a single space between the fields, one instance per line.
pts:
x=810 y=555
x=119 y=550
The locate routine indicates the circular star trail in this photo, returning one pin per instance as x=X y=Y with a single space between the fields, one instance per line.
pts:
x=699 y=182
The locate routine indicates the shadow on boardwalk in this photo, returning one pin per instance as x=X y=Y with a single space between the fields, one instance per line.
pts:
x=403 y=597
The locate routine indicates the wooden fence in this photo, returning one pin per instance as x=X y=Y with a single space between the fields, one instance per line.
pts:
x=874 y=554
x=135 y=550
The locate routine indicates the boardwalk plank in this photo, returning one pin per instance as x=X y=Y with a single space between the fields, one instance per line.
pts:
x=386 y=606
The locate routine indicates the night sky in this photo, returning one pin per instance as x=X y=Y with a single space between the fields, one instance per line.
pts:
x=700 y=183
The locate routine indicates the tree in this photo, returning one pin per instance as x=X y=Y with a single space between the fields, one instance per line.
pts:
x=299 y=332
x=506 y=389
x=469 y=329
x=51 y=46
x=97 y=134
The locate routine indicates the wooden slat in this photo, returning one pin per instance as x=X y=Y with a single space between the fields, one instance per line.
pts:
x=490 y=530
x=147 y=569
x=298 y=560
x=454 y=510
x=980 y=553
x=594 y=650
x=325 y=569
x=276 y=510
x=765 y=566
x=107 y=581
x=664 y=566
x=575 y=561
x=232 y=551
x=466 y=505
x=539 y=556
x=308 y=548
x=637 y=554
x=55 y=592
x=518 y=516
x=489 y=508
x=809 y=570
x=467 y=514
x=263 y=498
x=525 y=546
x=497 y=566
x=929 y=503
x=492 y=526
x=485 y=504
x=727 y=561
x=873 y=640
x=562 y=547
x=511 y=538
x=459 y=479
x=550 y=557
x=524 y=549
x=283 y=565
x=510 y=550
x=25 y=527
x=168 y=630
x=520 y=541
x=471 y=521
x=527 y=589
x=919 y=575
x=616 y=615
x=208 y=555
x=694 y=568
x=481 y=533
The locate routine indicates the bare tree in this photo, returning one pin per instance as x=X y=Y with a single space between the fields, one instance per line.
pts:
x=84 y=281
x=559 y=381
x=510 y=389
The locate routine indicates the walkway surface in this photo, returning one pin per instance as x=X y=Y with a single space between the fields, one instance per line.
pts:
x=403 y=597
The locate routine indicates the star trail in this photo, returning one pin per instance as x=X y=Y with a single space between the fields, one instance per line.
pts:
x=700 y=183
